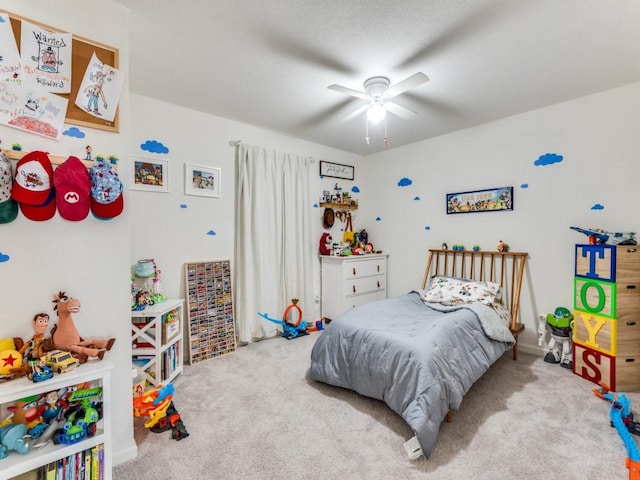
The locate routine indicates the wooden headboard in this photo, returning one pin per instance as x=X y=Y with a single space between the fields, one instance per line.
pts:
x=505 y=268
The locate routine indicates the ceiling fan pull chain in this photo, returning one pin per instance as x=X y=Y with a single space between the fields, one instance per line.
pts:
x=367 y=137
x=386 y=139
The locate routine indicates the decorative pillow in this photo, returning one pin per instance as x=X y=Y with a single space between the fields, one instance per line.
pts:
x=453 y=291
x=503 y=312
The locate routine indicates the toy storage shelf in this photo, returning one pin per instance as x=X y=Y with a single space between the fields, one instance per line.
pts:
x=211 y=319
x=94 y=371
x=156 y=341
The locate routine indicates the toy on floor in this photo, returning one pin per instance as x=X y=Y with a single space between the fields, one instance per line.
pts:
x=290 y=329
x=622 y=420
x=65 y=336
x=157 y=404
x=559 y=326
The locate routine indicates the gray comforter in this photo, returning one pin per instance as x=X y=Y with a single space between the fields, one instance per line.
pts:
x=420 y=358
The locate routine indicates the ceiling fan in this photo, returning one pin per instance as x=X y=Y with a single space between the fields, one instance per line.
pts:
x=377 y=92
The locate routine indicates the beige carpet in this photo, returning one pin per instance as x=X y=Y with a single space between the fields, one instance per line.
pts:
x=255 y=414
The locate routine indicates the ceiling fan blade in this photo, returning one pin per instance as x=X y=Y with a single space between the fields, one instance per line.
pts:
x=407 y=84
x=348 y=91
x=355 y=113
x=399 y=110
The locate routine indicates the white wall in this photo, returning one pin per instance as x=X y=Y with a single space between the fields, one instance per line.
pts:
x=88 y=259
x=172 y=227
x=598 y=139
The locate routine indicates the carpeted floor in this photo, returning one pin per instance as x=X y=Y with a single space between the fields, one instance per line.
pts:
x=256 y=414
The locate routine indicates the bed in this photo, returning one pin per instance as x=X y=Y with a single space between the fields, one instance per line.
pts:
x=421 y=352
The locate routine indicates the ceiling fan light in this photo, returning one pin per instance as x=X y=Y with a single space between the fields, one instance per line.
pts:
x=376 y=113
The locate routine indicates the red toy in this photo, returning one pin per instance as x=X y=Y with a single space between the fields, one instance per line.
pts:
x=325 y=243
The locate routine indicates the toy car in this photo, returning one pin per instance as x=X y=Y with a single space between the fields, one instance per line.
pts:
x=61 y=361
x=39 y=373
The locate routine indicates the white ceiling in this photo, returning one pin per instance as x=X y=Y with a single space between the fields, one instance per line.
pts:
x=269 y=63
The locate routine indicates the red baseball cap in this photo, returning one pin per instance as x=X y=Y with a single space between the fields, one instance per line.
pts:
x=33 y=181
x=73 y=189
x=106 y=191
x=40 y=213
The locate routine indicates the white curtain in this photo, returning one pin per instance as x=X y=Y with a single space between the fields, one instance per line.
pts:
x=274 y=252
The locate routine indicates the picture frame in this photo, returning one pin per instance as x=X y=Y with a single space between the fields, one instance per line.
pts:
x=149 y=174
x=487 y=200
x=336 y=170
x=201 y=180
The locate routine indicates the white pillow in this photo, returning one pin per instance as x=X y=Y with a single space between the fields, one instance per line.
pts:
x=454 y=291
x=503 y=312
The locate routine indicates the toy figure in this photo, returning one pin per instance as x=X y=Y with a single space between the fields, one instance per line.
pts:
x=559 y=348
x=502 y=247
x=325 y=244
x=33 y=349
x=65 y=336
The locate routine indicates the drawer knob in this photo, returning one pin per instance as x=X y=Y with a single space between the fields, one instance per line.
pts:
x=630 y=324
x=378 y=266
x=631 y=287
x=630 y=360
x=354 y=289
x=378 y=284
x=354 y=270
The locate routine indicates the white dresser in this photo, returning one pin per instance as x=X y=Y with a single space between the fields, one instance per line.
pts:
x=352 y=280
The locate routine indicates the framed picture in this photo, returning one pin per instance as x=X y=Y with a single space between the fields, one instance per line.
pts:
x=150 y=174
x=488 y=200
x=202 y=181
x=336 y=170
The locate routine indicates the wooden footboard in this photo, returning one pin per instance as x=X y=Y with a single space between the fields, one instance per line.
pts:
x=505 y=268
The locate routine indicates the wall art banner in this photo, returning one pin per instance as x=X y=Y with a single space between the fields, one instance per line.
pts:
x=9 y=55
x=32 y=109
x=46 y=58
x=100 y=90
x=487 y=200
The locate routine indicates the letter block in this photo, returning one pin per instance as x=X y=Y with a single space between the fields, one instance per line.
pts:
x=595 y=296
x=596 y=261
x=594 y=331
x=594 y=366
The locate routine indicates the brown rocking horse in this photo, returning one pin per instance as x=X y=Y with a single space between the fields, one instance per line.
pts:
x=65 y=336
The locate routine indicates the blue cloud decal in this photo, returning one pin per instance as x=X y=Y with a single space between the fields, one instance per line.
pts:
x=416 y=198
x=2 y=20
x=548 y=159
x=355 y=189
x=597 y=206
x=404 y=182
x=74 y=132
x=184 y=205
x=315 y=205
x=211 y=232
x=4 y=257
x=427 y=227
x=524 y=185
x=153 y=146
x=378 y=219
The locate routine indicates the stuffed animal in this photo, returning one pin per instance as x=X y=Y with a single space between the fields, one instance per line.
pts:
x=326 y=243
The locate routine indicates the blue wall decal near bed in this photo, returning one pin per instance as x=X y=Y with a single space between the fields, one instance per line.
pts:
x=355 y=189
x=597 y=206
x=378 y=219
x=4 y=257
x=211 y=232
x=548 y=159
x=416 y=198
x=524 y=185
x=154 y=146
x=404 y=182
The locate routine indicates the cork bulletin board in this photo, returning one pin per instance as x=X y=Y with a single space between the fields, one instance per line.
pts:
x=82 y=50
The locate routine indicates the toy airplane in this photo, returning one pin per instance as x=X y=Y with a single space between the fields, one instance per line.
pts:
x=612 y=238
x=288 y=331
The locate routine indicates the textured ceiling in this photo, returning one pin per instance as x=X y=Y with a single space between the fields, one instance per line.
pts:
x=269 y=63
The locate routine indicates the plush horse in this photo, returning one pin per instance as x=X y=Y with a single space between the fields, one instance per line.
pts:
x=65 y=336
